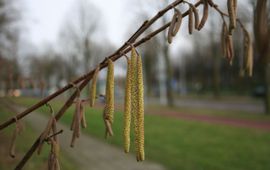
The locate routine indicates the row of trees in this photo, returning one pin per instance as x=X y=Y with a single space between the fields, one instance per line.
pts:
x=201 y=70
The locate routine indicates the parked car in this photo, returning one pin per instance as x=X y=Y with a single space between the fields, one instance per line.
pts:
x=259 y=91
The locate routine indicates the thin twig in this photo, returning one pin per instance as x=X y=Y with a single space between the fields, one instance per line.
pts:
x=57 y=133
x=222 y=14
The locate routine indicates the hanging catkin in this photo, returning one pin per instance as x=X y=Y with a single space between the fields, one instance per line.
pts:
x=109 y=106
x=82 y=113
x=140 y=106
x=127 y=108
x=248 y=53
x=190 y=20
x=175 y=25
x=75 y=126
x=78 y=118
x=77 y=109
x=230 y=50
x=134 y=98
x=12 y=144
x=53 y=163
x=178 y=20
x=223 y=36
x=93 y=88
x=16 y=132
x=196 y=16
x=205 y=14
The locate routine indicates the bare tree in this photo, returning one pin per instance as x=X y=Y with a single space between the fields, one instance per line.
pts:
x=262 y=38
x=8 y=42
x=77 y=32
x=150 y=52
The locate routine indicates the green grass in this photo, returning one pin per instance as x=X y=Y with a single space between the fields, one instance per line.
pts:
x=187 y=145
x=23 y=143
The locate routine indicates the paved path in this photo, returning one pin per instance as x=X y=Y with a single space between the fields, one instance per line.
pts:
x=247 y=106
x=91 y=153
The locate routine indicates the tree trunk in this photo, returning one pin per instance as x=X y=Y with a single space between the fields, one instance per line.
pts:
x=267 y=85
x=169 y=75
x=216 y=72
x=262 y=35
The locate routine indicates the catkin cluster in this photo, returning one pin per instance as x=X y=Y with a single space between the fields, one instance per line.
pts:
x=193 y=19
x=134 y=105
x=53 y=159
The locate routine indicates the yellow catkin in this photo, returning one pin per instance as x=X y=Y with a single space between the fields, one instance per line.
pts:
x=78 y=118
x=127 y=108
x=140 y=106
x=109 y=106
x=205 y=14
x=134 y=94
x=190 y=21
x=93 y=88
x=110 y=91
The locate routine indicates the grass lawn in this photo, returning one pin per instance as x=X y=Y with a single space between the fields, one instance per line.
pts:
x=23 y=143
x=187 y=145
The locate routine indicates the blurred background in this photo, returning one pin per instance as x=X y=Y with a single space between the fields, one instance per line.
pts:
x=203 y=112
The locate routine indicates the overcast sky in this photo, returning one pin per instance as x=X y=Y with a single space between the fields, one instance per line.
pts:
x=44 y=18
